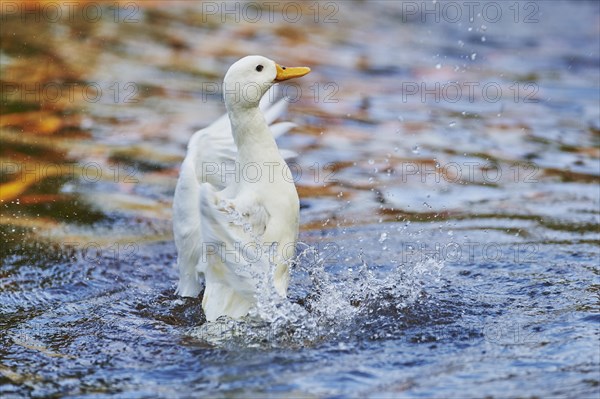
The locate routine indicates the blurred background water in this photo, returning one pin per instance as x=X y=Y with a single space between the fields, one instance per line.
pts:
x=448 y=173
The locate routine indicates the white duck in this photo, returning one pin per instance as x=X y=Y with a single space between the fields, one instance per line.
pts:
x=235 y=213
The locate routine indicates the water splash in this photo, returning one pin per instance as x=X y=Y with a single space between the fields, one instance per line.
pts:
x=322 y=304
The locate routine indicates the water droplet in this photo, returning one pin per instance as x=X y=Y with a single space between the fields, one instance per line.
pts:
x=461 y=43
x=415 y=149
x=438 y=66
x=470 y=28
x=383 y=237
x=483 y=38
x=452 y=124
x=473 y=56
x=371 y=161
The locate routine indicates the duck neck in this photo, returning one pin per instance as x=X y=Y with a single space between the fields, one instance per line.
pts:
x=252 y=136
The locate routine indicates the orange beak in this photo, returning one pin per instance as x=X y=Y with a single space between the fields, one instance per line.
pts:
x=285 y=73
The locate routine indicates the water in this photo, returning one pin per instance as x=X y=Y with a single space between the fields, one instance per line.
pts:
x=449 y=245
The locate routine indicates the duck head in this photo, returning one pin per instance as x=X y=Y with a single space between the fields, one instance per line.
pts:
x=250 y=78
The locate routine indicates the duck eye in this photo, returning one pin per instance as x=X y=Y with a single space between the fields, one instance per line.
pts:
x=259 y=68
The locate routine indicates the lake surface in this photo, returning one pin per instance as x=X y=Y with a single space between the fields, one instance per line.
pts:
x=448 y=170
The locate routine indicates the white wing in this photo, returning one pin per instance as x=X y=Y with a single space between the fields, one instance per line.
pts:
x=186 y=228
x=212 y=147
x=232 y=257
